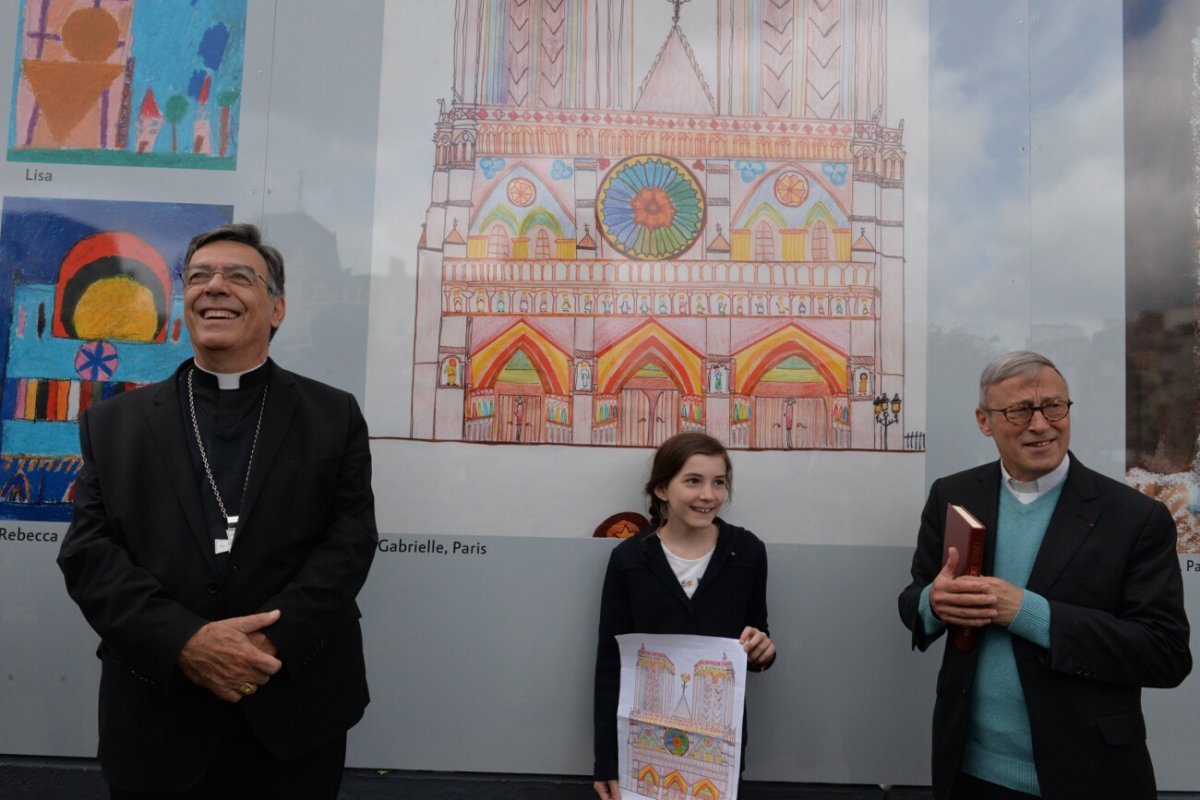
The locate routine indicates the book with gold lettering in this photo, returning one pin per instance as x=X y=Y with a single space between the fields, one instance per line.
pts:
x=966 y=534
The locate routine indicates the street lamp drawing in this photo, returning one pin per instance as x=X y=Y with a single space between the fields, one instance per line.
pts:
x=887 y=413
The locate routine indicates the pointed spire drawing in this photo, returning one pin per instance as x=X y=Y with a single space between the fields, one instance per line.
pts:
x=587 y=242
x=682 y=710
x=149 y=107
x=149 y=122
x=862 y=244
x=454 y=236
x=719 y=243
x=674 y=84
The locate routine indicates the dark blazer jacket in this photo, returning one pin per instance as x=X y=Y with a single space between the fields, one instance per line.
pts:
x=1109 y=569
x=139 y=561
x=642 y=595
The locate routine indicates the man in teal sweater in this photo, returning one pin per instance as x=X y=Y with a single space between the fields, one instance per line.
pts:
x=1079 y=606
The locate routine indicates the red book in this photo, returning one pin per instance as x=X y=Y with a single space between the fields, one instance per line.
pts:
x=966 y=534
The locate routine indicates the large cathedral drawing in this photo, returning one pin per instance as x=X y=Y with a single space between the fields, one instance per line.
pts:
x=610 y=259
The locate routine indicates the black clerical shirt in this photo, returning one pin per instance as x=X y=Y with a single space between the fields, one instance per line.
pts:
x=227 y=419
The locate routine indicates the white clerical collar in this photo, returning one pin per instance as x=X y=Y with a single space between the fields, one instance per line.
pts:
x=1028 y=491
x=230 y=380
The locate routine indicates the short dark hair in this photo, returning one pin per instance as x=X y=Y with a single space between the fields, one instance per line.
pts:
x=1019 y=362
x=669 y=460
x=249 y=235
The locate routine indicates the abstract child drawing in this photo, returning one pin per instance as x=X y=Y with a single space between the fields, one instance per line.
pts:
x=128 y=82
x=92 y=307
x=607 y=262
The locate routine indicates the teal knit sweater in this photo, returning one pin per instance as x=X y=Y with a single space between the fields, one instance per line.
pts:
x=999 y=746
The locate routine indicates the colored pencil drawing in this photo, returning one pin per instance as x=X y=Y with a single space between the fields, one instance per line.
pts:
x=92 y=307
x=605 y=265
x=679 y=732
x=128 y=82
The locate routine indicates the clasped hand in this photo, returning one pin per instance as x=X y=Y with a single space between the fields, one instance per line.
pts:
x=973 y=601
x=226 y=655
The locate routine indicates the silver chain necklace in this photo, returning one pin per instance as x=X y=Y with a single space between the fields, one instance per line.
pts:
x=230 y=521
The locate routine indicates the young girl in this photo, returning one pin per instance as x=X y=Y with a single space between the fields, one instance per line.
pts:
x=692 y=572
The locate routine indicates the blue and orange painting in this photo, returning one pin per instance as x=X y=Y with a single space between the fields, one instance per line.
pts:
x=93 y=307
x=128 y=82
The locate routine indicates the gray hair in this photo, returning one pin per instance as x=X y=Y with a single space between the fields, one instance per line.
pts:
x=249 y=235
x=1019 y=362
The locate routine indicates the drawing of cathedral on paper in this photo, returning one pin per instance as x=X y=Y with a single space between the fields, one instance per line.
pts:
x=686 y=747
x=605 y=265
x=128 y=82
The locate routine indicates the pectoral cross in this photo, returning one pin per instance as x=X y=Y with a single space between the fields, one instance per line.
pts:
x=225 y=545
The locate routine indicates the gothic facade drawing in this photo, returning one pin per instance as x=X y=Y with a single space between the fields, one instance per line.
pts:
x=607 y=262
x=681 y=748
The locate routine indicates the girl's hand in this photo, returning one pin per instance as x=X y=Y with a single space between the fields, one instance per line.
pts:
x=759 y=649
x=608 y=790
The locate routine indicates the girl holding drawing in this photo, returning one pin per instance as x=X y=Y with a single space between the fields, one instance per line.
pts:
x=690 y=573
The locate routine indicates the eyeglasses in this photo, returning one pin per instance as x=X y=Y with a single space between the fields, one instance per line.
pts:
x=1021 y=414
x=237 y=275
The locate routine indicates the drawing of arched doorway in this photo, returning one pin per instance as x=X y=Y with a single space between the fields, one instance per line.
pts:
x=785 y=394
x=675 y=787
x=520 y=395
x=16 y=490
x=791 y=407
x=649 y=407
x=648 y=781
x=649 y=389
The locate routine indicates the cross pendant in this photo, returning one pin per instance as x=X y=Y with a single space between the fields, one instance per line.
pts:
x=230 y=526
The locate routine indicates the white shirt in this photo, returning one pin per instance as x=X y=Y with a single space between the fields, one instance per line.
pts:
x=1028 y=491
x=687 y=570
x=229 y=380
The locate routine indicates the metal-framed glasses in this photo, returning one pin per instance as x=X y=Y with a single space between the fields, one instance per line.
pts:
x=236 y=275
x=1022 y=413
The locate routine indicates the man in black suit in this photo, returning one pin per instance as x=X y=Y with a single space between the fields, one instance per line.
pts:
x=1079 y=606
x=223 y=525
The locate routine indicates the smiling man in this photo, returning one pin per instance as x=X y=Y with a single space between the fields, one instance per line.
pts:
x=223 y=525
x=1079 y=606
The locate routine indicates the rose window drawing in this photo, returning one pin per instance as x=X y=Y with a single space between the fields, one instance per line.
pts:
x=675 y=741
x=650 y=207
x=521 y=192
x=791 y=189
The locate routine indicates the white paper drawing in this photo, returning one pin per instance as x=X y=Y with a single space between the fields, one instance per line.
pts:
x=679 y=717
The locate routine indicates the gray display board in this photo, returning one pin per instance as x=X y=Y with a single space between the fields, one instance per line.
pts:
x=480 y=658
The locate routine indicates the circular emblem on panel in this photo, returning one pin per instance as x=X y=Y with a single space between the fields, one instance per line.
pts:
x=650 y=207
x=521 y=192
x=676 y=741
x=791 y=188
x=96 y=361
